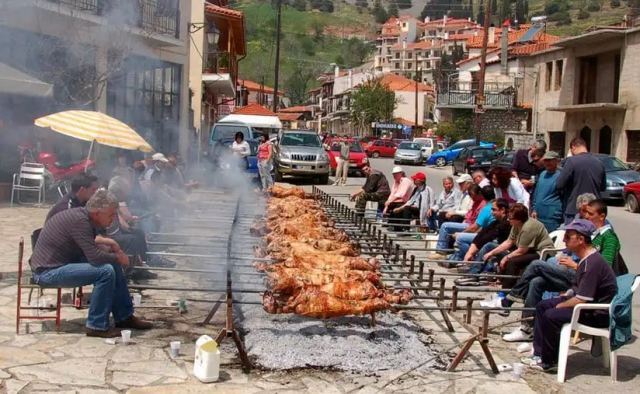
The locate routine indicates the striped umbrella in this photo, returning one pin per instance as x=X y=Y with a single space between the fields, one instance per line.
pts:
x=95 y=127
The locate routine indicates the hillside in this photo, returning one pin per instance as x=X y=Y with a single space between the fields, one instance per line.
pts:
x=311 y=41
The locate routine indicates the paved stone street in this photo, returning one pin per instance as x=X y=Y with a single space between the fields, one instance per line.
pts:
x=43 y=360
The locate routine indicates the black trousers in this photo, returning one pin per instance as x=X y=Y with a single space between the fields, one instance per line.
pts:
x=394 y=217
x=515 y=266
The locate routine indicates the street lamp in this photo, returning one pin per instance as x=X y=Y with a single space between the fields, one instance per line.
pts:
x=213 y=34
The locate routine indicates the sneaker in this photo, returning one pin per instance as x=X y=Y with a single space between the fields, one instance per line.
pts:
x=535 y=362
x=495 y=303
x=466 y=281
x=435 y=256
x=525 y=348
x=518 y=335
x=531 y=360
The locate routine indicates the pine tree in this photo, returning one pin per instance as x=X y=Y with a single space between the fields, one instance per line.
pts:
x=362 y=3
x=403 y=4
x=393 y=10
x=379 y=12
x=480 y=16
x=505 y=9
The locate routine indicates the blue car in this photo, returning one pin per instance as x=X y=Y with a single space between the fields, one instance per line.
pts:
x=442 y=157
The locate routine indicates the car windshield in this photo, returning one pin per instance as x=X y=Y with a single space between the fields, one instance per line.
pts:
x=410 y=146
x=300 y=139
x=228 y=132
x=459 y=145
x=613 y=164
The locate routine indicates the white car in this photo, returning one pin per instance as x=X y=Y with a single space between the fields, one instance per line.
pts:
x=429 y=146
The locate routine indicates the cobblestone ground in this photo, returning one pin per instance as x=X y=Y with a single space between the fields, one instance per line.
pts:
x=43 y=360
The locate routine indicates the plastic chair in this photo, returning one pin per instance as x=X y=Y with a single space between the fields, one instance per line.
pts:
x=30 y=179
x=608 y=357
x=558 y=244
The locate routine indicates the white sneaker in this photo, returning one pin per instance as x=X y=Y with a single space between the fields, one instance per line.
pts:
x=525 y=348
x=493 y=303
x=518 y=335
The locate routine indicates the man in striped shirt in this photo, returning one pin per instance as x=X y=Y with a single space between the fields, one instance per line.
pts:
x=67 y=255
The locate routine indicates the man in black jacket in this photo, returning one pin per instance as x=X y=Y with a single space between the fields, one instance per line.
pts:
x=581 y=173
x=376 y=188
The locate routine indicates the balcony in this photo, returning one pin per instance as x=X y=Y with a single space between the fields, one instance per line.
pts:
x=461 y=94
x=151 y=16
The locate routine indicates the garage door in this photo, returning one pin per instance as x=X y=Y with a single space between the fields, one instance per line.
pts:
x=633 y=145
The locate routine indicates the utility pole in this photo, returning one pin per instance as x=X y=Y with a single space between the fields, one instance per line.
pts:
x=480 y=100
x=418 y=81
x=277 y=65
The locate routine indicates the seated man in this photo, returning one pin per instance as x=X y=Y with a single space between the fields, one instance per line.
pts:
x=464 y=203
x=450 y=228
x=528 y=236
x=557 y=274
x=480 y=178
x=67 y=255
x=401 y=191
x=376 y=188
x=595 y=283
x=82 y=188
x=447 y=200
x=420 y=201
x=464 y=238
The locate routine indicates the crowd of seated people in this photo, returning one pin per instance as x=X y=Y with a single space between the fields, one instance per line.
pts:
x=94 y=235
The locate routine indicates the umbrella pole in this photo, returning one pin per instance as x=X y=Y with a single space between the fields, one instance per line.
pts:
x=86 y=163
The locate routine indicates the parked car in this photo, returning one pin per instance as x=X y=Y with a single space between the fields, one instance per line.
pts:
x=506 y=160
x=300 y=153
x=447 y=155
x=366 y=141
x=357 y=156
x=409 y=152
x=631 y=195
x=429 y=146
x=221 y=138
x=381 y=148
x=474 y=158
x=618 y=176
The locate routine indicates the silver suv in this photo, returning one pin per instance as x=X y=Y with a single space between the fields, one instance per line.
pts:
x=300 y=153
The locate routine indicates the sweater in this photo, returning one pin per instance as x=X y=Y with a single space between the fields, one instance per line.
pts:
x=607 y=243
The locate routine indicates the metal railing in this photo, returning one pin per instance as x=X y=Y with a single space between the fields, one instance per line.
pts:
x=82 y=5
x=499 y=100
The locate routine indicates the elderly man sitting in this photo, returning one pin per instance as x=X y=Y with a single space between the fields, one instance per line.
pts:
x=67 y=254
x=419 y=202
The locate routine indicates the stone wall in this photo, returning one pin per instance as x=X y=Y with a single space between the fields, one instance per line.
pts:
x=518 y=139
x=502 y=120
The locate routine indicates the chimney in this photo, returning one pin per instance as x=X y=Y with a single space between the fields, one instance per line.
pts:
x=404 y=43
x=336 y=71
x=446 y=35
x=492 y=35
x=504 y=50
x=350 y=79
x=444 y=20
x=427 y=19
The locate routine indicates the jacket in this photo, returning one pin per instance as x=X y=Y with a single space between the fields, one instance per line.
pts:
x=426 y=199
x=620 y=317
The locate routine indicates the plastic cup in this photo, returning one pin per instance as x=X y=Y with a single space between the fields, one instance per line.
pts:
x=137 y=299
x=126 y=336
x=518 y=370
x=175 y=348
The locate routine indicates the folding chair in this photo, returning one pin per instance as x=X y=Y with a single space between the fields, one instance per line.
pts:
x=558 y=244
x=30 y=179
x=609 y=358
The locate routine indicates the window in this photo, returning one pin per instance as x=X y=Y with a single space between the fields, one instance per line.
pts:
x=549 y=71
x=428 y=64
x=397 y=65
x=409 y=65
x=409 y=54
x=397 y=55
x=558 y=80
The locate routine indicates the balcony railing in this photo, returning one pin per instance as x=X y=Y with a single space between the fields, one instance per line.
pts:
x=468 y=99
x=152 y=16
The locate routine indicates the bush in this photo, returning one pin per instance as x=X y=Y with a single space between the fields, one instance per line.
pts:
x=614 y=3
x=593 y=6
x=582 y=14
x=562 y=18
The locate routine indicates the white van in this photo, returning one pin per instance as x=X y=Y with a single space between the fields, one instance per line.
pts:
x=429 y=146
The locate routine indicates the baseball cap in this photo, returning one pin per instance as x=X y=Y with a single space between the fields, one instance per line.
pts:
x=397 y=169
x=582 y=226
x=419 y=176
x=464 y=178
x=159 y=157
x=550 y=155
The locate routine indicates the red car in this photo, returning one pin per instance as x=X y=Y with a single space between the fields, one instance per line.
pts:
x=631 y=195
x=357 y=157
x=381 y=148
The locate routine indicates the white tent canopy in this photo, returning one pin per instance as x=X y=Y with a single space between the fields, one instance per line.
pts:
x=14 y=81
x=268 y=122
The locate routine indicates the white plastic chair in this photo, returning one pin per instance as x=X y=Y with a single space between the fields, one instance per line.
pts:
x=558 y=244
x=608 y=357
x=30 y=179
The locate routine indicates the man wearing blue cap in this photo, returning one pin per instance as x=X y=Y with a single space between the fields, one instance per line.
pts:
x=595 y=283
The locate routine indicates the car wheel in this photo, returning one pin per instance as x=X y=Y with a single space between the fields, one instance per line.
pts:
x=441 y=162
x=278 y=175
x=375 y=154
x=395 y=162
x=632 y=203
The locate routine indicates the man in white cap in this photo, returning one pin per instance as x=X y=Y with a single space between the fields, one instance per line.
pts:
x=464 y=203
x=401 y=191
x=159 y=161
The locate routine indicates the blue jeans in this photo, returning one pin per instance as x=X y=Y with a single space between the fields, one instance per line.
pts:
x=462 y=244
x=264 y=169
x=446 y=230
x=538 y=277
x=110 y=292
x=486 y=267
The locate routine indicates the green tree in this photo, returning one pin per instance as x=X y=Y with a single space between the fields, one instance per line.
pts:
x=393 y=10
x=480 y=16
x=403 y=4
x=362 y=3
x=504 y=11
x=614 y=3
x=379 y=13
x=521 y=10
x=425 y=12
x=299 y=82
x=372 y=102
x=300 y=5
x=593 y=6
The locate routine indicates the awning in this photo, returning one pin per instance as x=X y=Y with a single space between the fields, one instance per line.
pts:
x=594 y=107
x=16 y=82
x=220 y=83
x=269 y=122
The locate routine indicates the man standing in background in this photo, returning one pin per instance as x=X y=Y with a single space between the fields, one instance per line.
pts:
x=342 y=164
x=525 y=164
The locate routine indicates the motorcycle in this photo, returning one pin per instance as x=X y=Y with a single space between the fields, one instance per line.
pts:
x=57 y=175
